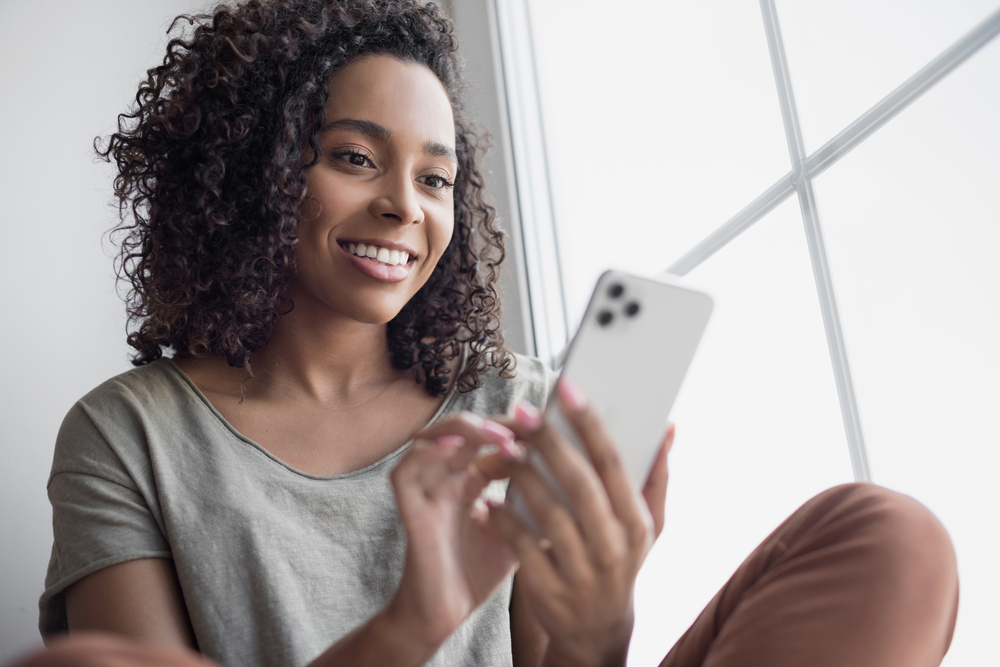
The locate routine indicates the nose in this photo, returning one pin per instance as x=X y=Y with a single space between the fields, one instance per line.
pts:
x=398 y=200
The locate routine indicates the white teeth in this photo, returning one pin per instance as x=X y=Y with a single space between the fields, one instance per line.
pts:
x=381 y=255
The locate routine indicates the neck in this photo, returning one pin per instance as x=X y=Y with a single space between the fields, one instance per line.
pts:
x=326 y=357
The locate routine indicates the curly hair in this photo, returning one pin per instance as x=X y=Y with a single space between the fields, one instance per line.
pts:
x=211 y=166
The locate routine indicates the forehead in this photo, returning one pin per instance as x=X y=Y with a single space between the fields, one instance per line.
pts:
x=405 y=97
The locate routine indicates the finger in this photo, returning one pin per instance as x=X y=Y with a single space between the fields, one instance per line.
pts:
x=526 y=420
x=536 y=568
x=606 y=461
x=470 y=426
x=462 y=456
x=575 y=476
x=557 y=524
x=655 y=489
x=494 y=465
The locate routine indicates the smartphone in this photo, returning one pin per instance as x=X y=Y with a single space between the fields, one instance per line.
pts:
x=629 y=356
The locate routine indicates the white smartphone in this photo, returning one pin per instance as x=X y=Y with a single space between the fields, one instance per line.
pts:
x=629 y=356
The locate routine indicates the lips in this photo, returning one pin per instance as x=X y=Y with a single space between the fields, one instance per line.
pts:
x=375 y=260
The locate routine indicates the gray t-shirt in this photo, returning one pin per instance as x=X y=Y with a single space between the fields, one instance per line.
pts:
x=275 y=564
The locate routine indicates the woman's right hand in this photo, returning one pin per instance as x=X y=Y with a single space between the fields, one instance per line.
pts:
x=455 y=559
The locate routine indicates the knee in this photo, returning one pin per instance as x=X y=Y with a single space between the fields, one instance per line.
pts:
x=903 y=549
x=890 y=526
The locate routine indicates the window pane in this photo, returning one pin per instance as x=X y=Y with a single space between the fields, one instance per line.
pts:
x=847 y=55
x=913 y=231
x=656 y=134
x=759 y=430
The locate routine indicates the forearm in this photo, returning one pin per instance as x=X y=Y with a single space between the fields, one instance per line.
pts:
x=384 y=639
x=554 y=658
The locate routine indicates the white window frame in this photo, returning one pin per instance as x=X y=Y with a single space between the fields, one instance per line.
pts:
x=539 y=314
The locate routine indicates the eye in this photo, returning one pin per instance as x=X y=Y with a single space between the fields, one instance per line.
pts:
x=353 y=158
x=437 y=182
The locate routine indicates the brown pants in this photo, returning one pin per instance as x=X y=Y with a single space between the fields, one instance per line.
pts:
x=857 y=576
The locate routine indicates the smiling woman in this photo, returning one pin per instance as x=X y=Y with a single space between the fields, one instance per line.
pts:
x=304 y=228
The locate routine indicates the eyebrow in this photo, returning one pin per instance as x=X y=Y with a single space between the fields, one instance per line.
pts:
x=436 y=149
x=383 y=134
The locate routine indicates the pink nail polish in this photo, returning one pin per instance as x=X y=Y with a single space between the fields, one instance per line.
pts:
x=450 y=441
x=571 y=396
x=527 y=415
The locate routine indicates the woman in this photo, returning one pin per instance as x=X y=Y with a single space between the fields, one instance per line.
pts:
x=310 y=480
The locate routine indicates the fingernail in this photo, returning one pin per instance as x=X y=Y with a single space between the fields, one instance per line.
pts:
x=501 y=432
x=571 y=396
x=527 y=415
x=450 y=441
x=670 y=431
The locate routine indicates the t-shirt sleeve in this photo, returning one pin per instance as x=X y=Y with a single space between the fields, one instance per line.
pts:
x=101 y=514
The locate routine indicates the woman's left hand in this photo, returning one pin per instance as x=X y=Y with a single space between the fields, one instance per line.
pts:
x=579 y=580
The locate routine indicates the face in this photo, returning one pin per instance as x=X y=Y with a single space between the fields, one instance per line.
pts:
x=380 y=211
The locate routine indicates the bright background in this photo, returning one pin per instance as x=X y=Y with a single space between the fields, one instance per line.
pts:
x=662 y=121
x=66 y=70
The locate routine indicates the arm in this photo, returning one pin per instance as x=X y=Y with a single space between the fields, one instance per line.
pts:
x=527 y=637
x=139 y=599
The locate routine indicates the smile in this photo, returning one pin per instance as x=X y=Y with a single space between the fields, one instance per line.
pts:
x=387 y=265
x=379 y=254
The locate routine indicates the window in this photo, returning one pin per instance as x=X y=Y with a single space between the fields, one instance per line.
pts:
x=862 y=207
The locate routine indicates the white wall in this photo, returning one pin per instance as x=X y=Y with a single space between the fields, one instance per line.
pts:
x=63 y=325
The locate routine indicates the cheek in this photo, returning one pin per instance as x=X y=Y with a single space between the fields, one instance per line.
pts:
x=443 y=231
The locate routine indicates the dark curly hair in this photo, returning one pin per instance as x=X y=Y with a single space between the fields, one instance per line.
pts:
x=211 y=163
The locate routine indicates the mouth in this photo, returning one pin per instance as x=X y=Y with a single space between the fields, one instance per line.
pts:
x=378 y=254
x=388 y=263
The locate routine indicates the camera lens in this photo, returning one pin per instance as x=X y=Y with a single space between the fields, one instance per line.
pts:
x=632 y=309
x=604 y=318
x=616 y=290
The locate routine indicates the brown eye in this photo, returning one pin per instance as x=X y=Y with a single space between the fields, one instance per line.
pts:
x=437 y=182
x=353 y=158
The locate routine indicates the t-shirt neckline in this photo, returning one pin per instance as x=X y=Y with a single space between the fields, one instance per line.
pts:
x=442 y=410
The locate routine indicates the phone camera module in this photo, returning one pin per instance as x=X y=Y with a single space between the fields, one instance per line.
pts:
x=604 y=318
x=632 y=309
x=616 y=290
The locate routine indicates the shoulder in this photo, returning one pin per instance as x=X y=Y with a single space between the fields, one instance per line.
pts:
x=530 y=380
x=120 y=412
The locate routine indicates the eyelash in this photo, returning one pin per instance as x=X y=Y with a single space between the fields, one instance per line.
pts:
x=346 y=156
x=445 y=183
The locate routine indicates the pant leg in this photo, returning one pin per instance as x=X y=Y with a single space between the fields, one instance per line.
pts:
x=859 y=576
